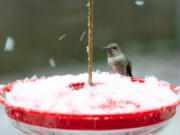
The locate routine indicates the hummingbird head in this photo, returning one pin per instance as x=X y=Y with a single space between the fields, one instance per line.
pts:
x=113 y=49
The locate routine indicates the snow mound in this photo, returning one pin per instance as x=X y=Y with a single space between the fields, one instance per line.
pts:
x=112 y=94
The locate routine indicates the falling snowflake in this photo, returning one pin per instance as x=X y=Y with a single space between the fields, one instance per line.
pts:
x=87 y=4
x=139 y=2
x=9 y=45
x=62 y=37
x=87 y=49
x=82 y=36
x=52 y=63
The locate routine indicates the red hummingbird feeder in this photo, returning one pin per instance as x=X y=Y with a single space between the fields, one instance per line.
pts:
x=37 y=122
x=34 y=122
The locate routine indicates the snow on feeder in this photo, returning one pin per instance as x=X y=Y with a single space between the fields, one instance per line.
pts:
x=114 y=105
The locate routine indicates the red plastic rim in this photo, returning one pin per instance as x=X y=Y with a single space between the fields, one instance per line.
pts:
x=87 y=122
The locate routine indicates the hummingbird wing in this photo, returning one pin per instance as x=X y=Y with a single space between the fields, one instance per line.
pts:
x=129 y=69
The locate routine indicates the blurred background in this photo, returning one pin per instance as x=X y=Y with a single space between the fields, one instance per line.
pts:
x=48 y=37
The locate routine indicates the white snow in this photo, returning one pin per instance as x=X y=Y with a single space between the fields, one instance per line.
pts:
x=52 y=63
x=9 y=45
x=139 y=2
x=82 y=36
x=117 y=94
x=87 y=49
x=178 y=91
x=87 y=4
x=62 y=37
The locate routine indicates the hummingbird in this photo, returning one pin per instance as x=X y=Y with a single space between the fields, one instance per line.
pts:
x=117 y=61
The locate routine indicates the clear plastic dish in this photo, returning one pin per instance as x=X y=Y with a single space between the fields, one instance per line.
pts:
x=26 y=129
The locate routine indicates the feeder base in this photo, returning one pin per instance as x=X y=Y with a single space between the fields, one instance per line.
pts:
x=27 y=129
